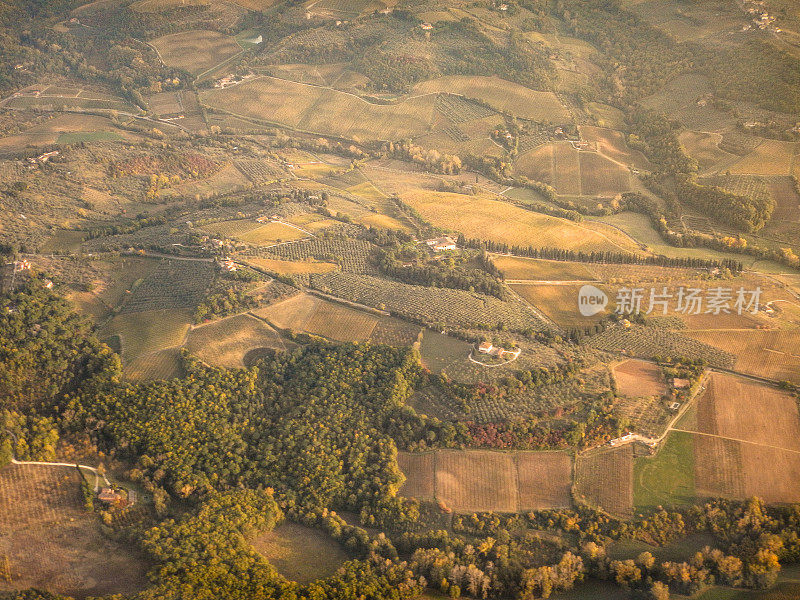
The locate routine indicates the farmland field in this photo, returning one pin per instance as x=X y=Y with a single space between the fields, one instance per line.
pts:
x=667 y=478
x=482 y=217
x=226 y=342
x=52 y=543
x=441 y=307
x=248 y=230
x=639 y=378
x=612 y=144
x=196 y=51
x=537 y=164
x=560 y=302
x=146 y=333
x=514 y=267
x=502 y=95
x=287 y=267
x=323 y=110
x=771 y=157
x=172 y=284
x=481 y=480
x=300 y=553
x=419 y=469
x=439 y=350
x=567 y=169
x=310 y=314
x=602 y=177
x=604 y=477
x=773 y=353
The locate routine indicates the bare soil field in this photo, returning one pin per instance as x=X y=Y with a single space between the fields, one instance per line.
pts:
x=502 y=95
x=310 y=314
x=567 y=174
x=612 y=144
x=53 y=544
x=636 y=378
x=481 y=480
x=735 y=407
x=226 y=342
x=419 y=469
x=537 y=164
x=544 y=480
x=766 y=353
x=476 y=480
x=299 y=553
x=604 y=477
x=602 y=177
x=533 y=269
x=195 y=51
x=748 y=441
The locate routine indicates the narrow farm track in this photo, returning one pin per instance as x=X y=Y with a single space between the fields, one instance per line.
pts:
x=732 y=439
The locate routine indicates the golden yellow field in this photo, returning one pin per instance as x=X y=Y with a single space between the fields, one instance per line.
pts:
x=638 y=378
x=323 y=110
x=195 y=51
x=482 y=217
x=248 y=230
x=500 y=94
x=534 y=269
x=310 y=314
x=560 y=302
x=287 y=267
x=225 y=181
x=771 y=157
x=226 y=342
x=772 y=353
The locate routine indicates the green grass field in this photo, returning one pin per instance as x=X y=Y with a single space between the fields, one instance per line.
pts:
x=439 y=350
x=667 y=478
x=87 y=136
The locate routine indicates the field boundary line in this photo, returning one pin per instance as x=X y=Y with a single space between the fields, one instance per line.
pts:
x=732 y=439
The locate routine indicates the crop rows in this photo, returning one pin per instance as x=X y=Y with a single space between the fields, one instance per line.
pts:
x=351 y=255
x=260 y=172
x=436 y=306
x=460 y=110
x=657 y=341
x=455 y=134
x=174 y=284
x=744 y=185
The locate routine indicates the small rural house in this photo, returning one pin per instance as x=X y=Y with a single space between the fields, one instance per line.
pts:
x=485 y=347
x=109 y=496
x=441 y=244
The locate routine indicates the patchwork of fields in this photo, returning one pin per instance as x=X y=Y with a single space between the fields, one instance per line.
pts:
x=742 y=439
